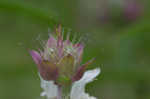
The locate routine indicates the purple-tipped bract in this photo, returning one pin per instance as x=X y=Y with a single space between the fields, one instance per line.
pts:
x=60 y=59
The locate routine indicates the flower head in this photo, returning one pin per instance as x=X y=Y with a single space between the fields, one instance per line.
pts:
x=60 y=59
x=59 y=66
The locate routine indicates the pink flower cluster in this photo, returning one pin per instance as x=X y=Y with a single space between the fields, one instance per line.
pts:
x=60 y=59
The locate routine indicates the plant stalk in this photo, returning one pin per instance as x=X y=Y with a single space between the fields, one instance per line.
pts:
x=59 y=96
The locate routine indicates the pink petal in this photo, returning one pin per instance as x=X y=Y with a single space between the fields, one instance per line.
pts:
x=81 y=70
x=48 y=70
x=36 y=57
x=60 y=46
x=51 y=42
x=80 y=48
x=67 y=43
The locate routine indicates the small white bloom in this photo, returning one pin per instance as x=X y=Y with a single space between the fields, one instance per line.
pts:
x=49 y=89
x=78 y=87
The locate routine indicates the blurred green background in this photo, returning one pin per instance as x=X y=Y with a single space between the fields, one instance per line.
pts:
x=116 y=32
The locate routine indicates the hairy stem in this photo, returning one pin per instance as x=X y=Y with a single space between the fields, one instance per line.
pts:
x=59 y=96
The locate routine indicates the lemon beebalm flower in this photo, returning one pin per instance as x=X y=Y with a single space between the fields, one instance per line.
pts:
x=77 y=90
x=59 y=66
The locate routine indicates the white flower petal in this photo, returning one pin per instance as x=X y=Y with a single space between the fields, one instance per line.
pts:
x=78 y=88
x=86 y=96
x=49 y=89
